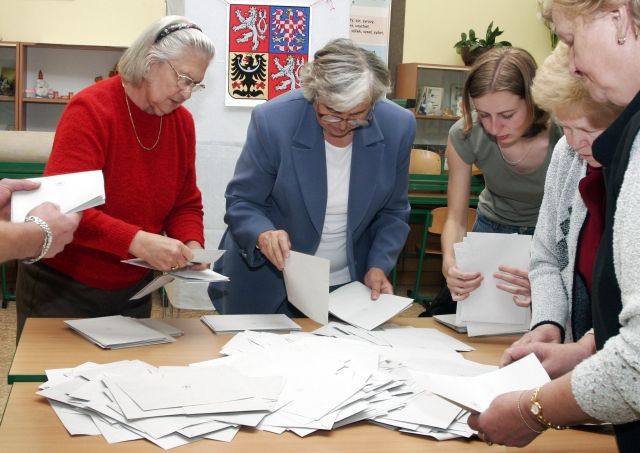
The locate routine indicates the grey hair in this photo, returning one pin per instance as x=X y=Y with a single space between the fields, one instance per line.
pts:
x=343 y=75
x=145 y=50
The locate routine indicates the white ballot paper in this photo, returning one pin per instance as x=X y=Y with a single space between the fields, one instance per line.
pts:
x=73 y=192
x=239 y=323
x=186 y=274
x=476 y=393
x=352 y=303
x=489 y=310
x=113 y=332
x=306 y=278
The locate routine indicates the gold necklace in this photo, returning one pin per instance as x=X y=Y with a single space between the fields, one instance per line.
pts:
x=147 y=148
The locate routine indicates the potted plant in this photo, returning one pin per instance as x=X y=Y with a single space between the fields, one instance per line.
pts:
x=470 y=47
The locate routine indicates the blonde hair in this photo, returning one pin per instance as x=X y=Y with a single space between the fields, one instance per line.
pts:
x=555 y=90
x=508 y=69
x=587 y=8
x=155 y=45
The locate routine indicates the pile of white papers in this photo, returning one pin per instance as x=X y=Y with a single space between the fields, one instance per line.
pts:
x=114 y=332
x=489 y=310
x=298 y=382
x=306 y=279
x=240 y=323
x=72 y=192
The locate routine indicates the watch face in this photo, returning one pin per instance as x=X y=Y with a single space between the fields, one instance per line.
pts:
x=535 y=408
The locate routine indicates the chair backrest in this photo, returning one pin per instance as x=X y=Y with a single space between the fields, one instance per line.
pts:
x=25 y=146
x=439 y=215
x=425 y=162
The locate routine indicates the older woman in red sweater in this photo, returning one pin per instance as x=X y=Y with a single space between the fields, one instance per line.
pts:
x=134 y=128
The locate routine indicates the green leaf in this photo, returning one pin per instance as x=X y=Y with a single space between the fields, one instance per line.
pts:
x=489 y=29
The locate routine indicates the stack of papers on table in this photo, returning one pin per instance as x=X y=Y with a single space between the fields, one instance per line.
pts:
x=489 y=310
x=297 y=382
x=114 y=332
x=73 y=192
x=306 y=279
x=240 y=323
x=450 y=322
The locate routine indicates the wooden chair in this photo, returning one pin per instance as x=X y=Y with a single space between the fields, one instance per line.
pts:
x=425 y=162
x=428 y=190
x=421 y=162
x=437 y=217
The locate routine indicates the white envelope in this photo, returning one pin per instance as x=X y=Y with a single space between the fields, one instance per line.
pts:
x=306 y=278
x=73 y=192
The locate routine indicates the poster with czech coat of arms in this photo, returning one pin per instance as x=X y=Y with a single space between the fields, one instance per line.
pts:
x=268 y=45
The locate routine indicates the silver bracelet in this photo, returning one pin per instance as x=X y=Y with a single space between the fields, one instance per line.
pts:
x=48 y=238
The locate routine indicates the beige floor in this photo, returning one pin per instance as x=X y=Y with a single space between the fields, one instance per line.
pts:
x=8 y=337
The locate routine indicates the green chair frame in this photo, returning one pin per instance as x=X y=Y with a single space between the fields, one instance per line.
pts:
x=425 y=193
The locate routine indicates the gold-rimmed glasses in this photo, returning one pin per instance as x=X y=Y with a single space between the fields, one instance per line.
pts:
x=185 y=82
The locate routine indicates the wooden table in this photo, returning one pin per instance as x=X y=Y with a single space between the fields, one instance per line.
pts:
x=48 y=343
x=30 y=425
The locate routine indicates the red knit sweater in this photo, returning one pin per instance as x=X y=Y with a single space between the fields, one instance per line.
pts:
x=154 y=191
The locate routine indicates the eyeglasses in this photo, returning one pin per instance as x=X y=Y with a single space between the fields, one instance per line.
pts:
x=352 y=122
x=185 y=82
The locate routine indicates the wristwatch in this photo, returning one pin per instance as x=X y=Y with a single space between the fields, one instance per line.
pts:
x=536 y=410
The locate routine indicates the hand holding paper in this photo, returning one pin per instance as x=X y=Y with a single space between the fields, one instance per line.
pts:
x=7 y=188
x=62 y=226
x=189 y=275
x=161 y=252
x=72 y=192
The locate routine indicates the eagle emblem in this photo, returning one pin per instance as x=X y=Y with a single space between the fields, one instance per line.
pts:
x=248 y=75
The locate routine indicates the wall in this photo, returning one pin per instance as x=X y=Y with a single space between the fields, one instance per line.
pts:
x=433 y=26
x=93 y=22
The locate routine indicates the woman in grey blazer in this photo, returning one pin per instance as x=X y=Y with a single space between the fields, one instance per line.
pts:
x=324 y=171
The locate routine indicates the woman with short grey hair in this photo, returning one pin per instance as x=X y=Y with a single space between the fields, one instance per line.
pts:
x=324 y=171
x=134 y=128
x=344 y=75
x=162 y=42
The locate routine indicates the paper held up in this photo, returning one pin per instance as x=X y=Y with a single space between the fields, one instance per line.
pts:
x=476 y=393
x=489 y=310
x=72 y=192
x=306 y=279
x=186 y=274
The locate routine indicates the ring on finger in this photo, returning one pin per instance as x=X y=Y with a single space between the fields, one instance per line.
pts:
x=483 y=437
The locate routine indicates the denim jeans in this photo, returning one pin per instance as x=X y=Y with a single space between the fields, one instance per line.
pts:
x=484 y=225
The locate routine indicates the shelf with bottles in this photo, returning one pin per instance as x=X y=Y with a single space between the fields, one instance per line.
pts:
x=52 y=73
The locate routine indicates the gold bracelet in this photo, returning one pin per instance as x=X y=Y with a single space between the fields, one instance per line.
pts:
x=536 y=410
x=522 y=416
